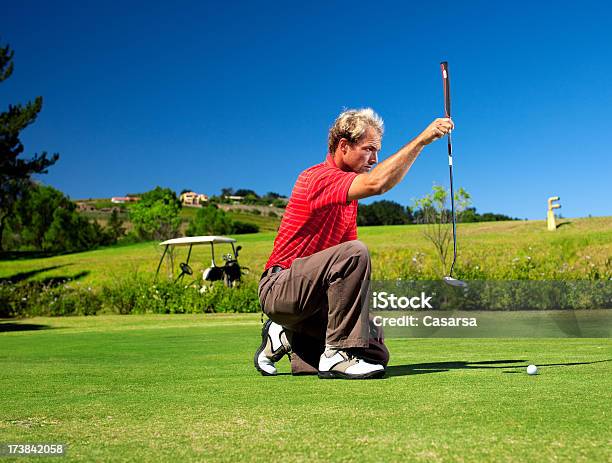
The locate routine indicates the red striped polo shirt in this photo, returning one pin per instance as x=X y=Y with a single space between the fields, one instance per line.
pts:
x=317 y=216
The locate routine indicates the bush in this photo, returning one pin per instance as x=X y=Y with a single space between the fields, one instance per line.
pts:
x=210 y=220
x=134 y=294
x=141 y=294
x=35 y=298
x=241 y=228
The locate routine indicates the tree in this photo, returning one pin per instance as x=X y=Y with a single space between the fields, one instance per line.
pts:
x=470 y=215
x=70 y=231
x=45 y=219
x=33 y=214
x=433 y=211
x=14 y=172
x=210 y=220
x=115 y=227
x=156 y=215
x=383 y=213
x=245 y=192
x=280 y=203
x=251 y=199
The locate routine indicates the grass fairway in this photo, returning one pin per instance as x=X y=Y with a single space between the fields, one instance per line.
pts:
x=161 y=388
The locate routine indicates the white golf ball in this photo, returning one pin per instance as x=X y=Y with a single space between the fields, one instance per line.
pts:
x=532 y=370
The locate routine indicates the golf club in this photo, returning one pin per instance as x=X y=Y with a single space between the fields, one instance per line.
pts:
x=447 y=112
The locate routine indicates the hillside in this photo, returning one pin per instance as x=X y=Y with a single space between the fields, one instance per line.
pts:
x=265 y=217
x=580 y=249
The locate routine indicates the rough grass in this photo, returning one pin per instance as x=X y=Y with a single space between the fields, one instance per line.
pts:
x=579 y=249
x=160 y=388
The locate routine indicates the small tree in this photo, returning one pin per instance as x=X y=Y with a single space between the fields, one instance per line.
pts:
x=434 y=213
x=114 y=227
x=156 y=215
x=14 y=172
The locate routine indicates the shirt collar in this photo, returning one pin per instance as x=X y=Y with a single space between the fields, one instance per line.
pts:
x=330 y=160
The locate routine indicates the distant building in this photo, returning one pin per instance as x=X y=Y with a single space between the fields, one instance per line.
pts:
x=124 y=199
x=235 y=199
x=84 y=207
x=190 y=198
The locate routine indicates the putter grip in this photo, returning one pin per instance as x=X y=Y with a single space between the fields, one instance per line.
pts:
x=446 y=82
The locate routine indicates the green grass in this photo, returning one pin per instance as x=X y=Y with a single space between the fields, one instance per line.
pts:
x=580 y=249
x=161 y=388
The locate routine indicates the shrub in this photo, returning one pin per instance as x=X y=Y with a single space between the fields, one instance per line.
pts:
x=210 y=220
x=244 y=227
x=134 y=294
x=35 y=298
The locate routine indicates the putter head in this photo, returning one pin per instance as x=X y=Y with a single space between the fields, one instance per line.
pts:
x=454 y=282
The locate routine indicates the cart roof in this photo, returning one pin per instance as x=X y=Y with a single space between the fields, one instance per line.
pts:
x=187 y=240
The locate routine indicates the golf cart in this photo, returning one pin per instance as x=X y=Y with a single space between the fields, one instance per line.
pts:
x=230 y=273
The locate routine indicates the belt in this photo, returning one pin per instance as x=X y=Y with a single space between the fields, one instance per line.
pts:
x=272 y=270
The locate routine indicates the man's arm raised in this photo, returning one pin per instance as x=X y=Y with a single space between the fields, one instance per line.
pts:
x=392 y=170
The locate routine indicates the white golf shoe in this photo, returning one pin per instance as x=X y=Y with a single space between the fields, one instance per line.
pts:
x=341 y=364
x=274 y=346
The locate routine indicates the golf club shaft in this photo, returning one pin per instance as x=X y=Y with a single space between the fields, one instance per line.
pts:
x=447 y=113
x=452 y=195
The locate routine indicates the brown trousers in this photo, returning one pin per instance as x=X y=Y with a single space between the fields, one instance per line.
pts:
x=321 y=299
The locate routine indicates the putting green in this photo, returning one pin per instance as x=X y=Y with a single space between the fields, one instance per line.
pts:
x=157 y=388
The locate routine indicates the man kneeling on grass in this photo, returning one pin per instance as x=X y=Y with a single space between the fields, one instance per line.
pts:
x=315 y=283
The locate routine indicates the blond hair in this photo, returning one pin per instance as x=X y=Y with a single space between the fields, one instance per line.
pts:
x=352 y=125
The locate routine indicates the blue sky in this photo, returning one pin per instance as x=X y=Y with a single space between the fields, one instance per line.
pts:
x=209 y=95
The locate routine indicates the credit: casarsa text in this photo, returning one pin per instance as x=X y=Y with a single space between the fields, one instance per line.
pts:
x=427 y=320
